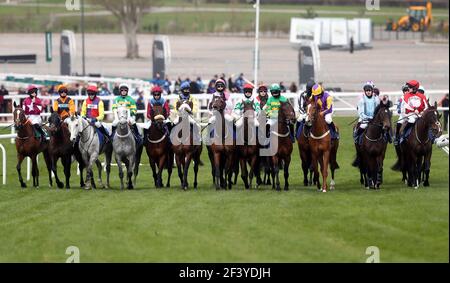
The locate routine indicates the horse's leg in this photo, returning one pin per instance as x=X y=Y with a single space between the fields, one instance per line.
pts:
x=99 y=169
x=153 y=167
x=81 y=166
x=119 y=166
x=66 y=160
x=108 y=157
x=48 y=164
x=229 y=170
x=196 y=165
x=178 y=161
x=54 y=169
x=35 y=171
x=322 y=165
x=187 y=163
x=427 y=168
x=314 y=163
x=418 y=170
x=275 y=173
x=161 y=165
x=217 y=171
x=138 y=162
x=244 y=173
x=20 y=159
x=287 y=161
x=130 y=169
x=169 y=167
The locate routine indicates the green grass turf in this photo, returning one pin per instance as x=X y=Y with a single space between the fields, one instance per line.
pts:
x=170 y=225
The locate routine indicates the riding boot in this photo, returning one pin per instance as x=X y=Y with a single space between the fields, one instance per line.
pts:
x=39 y=129
x=292 y=132
x=388 y=136
x=104 y=133
x=136 y=133
x=267 y=131
x=113 y=132
x=405 y=131
x=357 y=134
x=397 y=134
x=334 y=133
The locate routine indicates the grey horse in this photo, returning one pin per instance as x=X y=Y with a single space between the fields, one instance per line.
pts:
x=89 y=146
x=124 y=147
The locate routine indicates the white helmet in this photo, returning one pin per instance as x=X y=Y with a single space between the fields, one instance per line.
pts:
x=124 y=86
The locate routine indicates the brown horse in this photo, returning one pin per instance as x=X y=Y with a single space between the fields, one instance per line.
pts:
x=282 y=156
x=415 y=151
x=60 y=146
x=184 y=148
x=372 y=150
x=248 y=148
x=221 y=151
x=323 y=148
x=158 y=146
x=305 y=155
x=28 y=145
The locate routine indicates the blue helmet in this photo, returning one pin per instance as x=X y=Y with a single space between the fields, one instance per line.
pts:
x=185 y=85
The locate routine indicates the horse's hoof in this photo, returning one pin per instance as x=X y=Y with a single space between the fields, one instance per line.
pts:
x=367 y=188
x=324 y=191
x=286 y=189
x=332 y=188
x=185 y=188
x=416 y=187
x=60 y=185
x=426 y=184
x=23 y=185
x=130 y=188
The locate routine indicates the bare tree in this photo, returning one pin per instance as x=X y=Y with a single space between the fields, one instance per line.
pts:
x=129 y=13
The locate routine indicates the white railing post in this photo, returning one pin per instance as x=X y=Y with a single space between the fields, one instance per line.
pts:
x=3 y=163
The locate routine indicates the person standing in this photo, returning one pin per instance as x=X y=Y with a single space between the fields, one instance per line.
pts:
x=3 y=102
x=444 y=103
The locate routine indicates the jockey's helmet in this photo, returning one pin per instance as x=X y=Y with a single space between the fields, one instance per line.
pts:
x=62 y=90
x=32 y=89
x=92 y=90
x=275 y=90
x=220 y=84
x=262 y=88
x=413 y=84
x=248 y=89
x=185 y=90
x=317 y=90
x=123 y=88
x=156 y=90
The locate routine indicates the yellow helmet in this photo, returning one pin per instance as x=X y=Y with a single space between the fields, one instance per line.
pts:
x=317 y=89
x=60 y=87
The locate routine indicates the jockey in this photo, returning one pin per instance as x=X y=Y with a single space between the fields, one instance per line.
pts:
x=366 y=110
x=262 y=95
x=405 y=90
x=239 y=107
x=303 y=99
x=64 y=105
x=32 y=107
x=129 y=103
x=273 y=106
x=94 y=110
x=158 y=100
x=325 y=101
x=186 y=98
x=220 y=92
x=414 y=104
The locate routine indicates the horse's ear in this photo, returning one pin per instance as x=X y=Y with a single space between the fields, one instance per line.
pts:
x=51 y=110
x=15 y=104
x=435 y=104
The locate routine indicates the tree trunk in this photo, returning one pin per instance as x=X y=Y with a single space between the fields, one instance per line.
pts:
x=129 y=29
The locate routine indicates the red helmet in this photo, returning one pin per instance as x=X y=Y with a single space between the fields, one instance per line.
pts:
x=31 y=89
x=92 y=88
x=156 y=88
x=413 y=84
x=262 y=87
x=248 y=86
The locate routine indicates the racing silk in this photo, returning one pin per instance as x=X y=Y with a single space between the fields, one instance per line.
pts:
x=128 y=102
x=325 y=102
x=229 y=106
x=191 y=101
x=262 y=100
x=366 y=107
x=414 y=101
x=399 y=105
x=273 y=106
x=239 y=107
x=64 y=107
x=93 y=109
x=302 y=102
x=152 y=103
x=33 y=110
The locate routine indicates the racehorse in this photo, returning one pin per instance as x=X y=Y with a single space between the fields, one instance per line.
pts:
x=124 y=147
x=90 y=149
x=282 y=156
x=158 y=147
x=415 y=152
x=184 y=148
x=248 y=148
x=60 y=146
x=305 y=155
x=221 y=151
x=371 y=151
x=28 y=145
x=323 y=148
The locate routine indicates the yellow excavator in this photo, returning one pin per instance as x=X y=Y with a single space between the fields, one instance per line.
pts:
x=418 y=18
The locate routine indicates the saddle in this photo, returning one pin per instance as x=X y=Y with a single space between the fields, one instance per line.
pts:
x=101 y=138
x=300 y=128
x=405 y=132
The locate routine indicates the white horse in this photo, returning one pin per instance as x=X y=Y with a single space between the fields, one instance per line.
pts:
x=89 y=146
x=124 y=146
